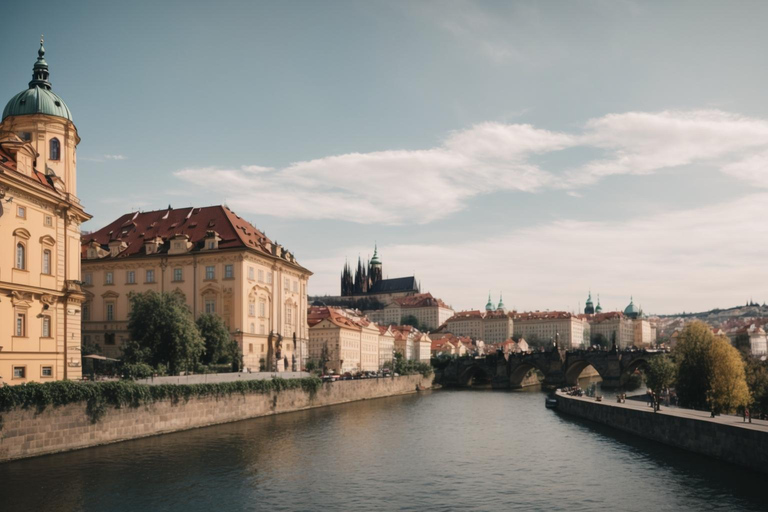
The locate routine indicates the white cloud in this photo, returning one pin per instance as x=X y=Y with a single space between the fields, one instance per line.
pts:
x=399 y=186
x=702 y=258
x=102 y=158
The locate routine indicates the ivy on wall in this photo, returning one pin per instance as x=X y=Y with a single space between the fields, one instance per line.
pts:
x=99 y=395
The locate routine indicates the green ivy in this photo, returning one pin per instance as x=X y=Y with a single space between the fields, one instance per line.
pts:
x=118 y=394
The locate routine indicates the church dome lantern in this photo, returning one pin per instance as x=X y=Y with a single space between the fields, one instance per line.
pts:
x=38 y=98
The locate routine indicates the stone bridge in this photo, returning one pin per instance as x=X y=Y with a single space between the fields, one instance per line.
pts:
x=559 y=367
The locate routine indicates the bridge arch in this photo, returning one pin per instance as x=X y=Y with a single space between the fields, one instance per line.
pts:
x=475 y=374
x=574 y=369
x=519 y=372
x=637 y=363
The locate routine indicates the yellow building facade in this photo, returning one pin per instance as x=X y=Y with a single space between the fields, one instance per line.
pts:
x=40 y=218
x=218 y=261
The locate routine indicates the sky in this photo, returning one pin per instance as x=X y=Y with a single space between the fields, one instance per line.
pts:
x=535 y=149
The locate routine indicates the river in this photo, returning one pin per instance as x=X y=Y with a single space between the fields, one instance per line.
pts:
x=440 y=450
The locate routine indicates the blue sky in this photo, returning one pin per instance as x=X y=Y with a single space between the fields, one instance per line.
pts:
x=530 y=148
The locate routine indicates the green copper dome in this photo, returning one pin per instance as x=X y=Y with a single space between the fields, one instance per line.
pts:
x=38 y=98
x=599 y=308
x=375 y=260
x=631 y=310
x=489 y=305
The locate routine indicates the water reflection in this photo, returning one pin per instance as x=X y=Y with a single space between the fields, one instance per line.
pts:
x=475 y=450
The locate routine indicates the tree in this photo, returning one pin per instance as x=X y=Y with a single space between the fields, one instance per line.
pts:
x=728 y=383
x=218 y=344
x=694 y=364
x=660 y=374
x=742 y=343
x=757 y=381
x=162 y=332
x=600 y=339
x=710 y=371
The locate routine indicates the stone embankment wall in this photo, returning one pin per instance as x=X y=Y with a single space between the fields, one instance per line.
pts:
x=731 y=443
x=27 y=433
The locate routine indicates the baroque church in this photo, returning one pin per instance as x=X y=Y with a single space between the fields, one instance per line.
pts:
x=40 y=218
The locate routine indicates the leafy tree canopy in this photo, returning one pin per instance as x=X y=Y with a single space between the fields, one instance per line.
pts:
x=219 y=347
x=162 y=332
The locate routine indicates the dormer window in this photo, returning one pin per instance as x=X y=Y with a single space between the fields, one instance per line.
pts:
x=55 y=153
x=211 y=240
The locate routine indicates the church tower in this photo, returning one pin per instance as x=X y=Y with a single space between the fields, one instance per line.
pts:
x=40 y=218
x=375 y=274
x=589 y=308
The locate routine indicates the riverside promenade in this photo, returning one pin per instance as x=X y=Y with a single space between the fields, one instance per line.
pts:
x=725 y=437
x=670 y=410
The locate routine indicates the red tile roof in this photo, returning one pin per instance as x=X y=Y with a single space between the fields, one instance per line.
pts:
x=464 y=315
x=134 y=228
x=420 y=300
x=7 y=161
x=543 y=315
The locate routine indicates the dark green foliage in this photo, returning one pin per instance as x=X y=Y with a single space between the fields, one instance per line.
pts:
x=413 y=322
x=757 y=380
x=136 y=370
x=661 y=374
x=694 y=365
x=99 y=395
x=162 y=332
x=218 y=344
x=601 y=340
x=403 y=366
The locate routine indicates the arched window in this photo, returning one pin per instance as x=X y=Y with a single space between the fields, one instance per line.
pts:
x=21 y=256
x=55 y=149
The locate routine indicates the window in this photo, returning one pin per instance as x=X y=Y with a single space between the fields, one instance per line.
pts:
x=178 y=275
x=46 y=371
x=287 y=284
x=250 y=273
x=46 y=326
x=251 y=308
x=88 y=278
x=262 y=345
x=19 y=372
x=110 y=309
x=210 y=306
x=108 y=278
x=269 y=277
x=130 y=277
x=261 y=276
x=211 y=244
x=150 y=276
x=262 y=308
x=47 y=262
x=48 y=220
x=210 y=272
x=21 y=256
x=250 y=348
x=109 y=338
x=55 y=149
x=295 y=287
x=21 y=324
x=21 y=211
x=253 y=328
x=86 y=312
x=288 y=312
x=229 y=271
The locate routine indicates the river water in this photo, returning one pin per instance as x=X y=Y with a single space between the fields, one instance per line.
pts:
x=440 y=450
